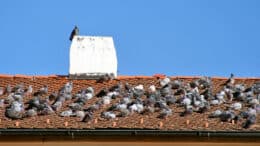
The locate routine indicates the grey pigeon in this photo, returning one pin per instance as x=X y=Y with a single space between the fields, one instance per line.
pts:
x=8 y=88
x=166 y=90
x=93 y=107
x=42 y=91
x=188 y=110
x=176 y=84
x=124 y=113
x=53 y=96
x=148 y=110
x=106 y=77
x=90 y=90
x=35 y=102
x=10 y=98
x=204 y=82
x=15 y=110
x=227 y=116
x=31 y=112
x=68 y=87
x=57 y=106
x=165 y=113
x=215 y=114
x=29 y=90
x=76 y=106
x=47 y=110
x=170 y=99
x=138 y=91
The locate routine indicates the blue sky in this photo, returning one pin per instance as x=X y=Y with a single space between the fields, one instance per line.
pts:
x=184 y=37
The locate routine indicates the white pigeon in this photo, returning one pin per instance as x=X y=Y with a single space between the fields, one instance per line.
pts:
x=66 y=113
x=152 y=88
x=236 y=106
x=121 y=107
x=186 y=101
x=108 y=115
x=80 y=114
x=88 y=96
x=136 y=108
x=139 y=87
x=165 y=81
x=215 y=102
x=106 y=100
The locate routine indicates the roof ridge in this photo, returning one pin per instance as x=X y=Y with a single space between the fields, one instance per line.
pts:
x=30 y=76
x=121 y=76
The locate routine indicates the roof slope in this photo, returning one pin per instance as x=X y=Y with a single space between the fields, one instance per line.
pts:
x=196 y=121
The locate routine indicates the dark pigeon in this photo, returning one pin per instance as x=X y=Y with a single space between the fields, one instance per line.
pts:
x=74 y=32
x=249 y=122
x=88 y=117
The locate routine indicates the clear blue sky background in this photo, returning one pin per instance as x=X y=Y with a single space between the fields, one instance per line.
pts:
x=184 y=37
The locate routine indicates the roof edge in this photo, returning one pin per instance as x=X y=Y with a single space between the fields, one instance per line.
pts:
x=119 y=133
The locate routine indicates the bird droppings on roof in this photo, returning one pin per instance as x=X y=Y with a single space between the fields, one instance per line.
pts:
x=133 y=102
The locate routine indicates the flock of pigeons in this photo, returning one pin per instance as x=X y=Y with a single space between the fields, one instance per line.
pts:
x=196 y=96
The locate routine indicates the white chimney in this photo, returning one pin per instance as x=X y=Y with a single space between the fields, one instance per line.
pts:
x=92 y=57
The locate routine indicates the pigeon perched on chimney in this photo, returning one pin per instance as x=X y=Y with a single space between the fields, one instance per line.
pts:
x=74 y=32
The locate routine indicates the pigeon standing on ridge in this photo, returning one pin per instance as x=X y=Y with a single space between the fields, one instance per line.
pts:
x=230 y=82
x=74 y=32
x=106 y=77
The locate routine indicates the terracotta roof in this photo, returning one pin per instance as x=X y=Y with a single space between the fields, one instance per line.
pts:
x=196 y=121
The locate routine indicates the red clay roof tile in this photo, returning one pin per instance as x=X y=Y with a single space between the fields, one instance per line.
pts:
x=174 y=122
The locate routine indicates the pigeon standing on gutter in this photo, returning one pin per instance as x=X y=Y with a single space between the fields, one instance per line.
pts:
x=74 y=32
